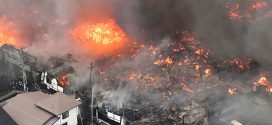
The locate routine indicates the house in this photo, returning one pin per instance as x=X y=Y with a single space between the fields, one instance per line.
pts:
x=38 y=108
x=110 y=115
x=57 y=78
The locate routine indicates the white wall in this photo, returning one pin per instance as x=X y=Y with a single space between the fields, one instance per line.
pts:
x=71 y=120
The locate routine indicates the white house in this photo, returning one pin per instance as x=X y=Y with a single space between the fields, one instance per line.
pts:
x=53 y=84
x=38 y=108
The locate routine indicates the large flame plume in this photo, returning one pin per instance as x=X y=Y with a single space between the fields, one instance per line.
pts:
x=7 y=33
x=103 y=37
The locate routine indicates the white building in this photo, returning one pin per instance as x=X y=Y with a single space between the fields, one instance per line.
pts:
x=52 y=84
x=38 y=108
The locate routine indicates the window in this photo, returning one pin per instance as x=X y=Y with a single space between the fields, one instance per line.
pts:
x=65 y=115
x=65 y=123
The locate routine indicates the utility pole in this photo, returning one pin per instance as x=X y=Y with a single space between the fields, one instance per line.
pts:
x=90 y=92
x=24 y=80
x=123 y=120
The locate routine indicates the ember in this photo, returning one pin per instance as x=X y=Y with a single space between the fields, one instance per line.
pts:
x=258 y=5
x=208 y=72
x=262 y=81
x=269 y=89
x=232 y=90
x=169 y=61
x=241 y=63
x=247 y=11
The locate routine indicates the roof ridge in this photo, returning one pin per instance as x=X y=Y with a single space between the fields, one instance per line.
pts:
x=60 y=101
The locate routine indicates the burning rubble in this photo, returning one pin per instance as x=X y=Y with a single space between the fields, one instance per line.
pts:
x=252 y=10
x=232 y=90
x=170 y=77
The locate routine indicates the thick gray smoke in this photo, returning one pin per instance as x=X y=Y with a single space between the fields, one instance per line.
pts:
x=48 y=22
x=154 y=20
x=44 y=27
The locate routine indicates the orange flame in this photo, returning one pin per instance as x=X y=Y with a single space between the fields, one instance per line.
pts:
x=241 y=63
x=169 y=61
x=102 y=37
x=269 y=89
x=262 y=81
x=159 y=62
x=132 y=76
x=258 y=5
x=64 y=81
x=7 y=33
x=232 y=90
x=197 y=67
x=208 y=72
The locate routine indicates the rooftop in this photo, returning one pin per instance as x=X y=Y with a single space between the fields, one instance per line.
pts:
x=58 y=103
x=38 y=108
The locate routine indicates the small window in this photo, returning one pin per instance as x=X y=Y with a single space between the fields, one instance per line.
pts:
x=65 y=123
x=65 y=115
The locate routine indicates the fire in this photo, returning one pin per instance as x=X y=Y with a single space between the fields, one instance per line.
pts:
x=269 y=89
x=159 y=62
x=234 y=15
x=262 y=81
x=153 y=49
x=186 y=88
x=132 y=76
x=7 y=34
x=248 y=11
x=103 y=37
x=208 y=72
x=169 y=61
x=241 y=63
x=197 y=67
x=258 y=5
x=232 y=90
x=187 y=61
x=199 y=51
x=64 y=80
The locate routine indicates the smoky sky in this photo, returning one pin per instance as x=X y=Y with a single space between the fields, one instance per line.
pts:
x=144 y=20
x=147 y=20
x=154 y=19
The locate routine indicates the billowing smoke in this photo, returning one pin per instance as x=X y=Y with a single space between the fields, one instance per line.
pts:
x=44 y=28
x=154 y=20
x=48 y=22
